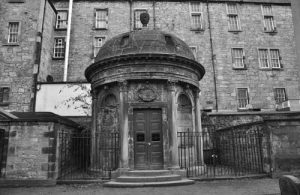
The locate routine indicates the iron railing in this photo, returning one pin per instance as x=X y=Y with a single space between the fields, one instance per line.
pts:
x=235 y=151
x=3 y=152
x=83 y=156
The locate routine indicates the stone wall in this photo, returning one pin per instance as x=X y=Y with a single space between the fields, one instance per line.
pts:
x=174 y=17
x=17 y=60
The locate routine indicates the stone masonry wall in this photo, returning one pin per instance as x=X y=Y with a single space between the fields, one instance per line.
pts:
x=174 y=17
x=17 y=61
x=47 y=43
x=28 y=150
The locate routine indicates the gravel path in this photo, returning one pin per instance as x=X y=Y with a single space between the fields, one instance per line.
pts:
x=226 y=187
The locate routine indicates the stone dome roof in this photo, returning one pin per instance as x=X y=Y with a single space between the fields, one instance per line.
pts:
x=144 y=42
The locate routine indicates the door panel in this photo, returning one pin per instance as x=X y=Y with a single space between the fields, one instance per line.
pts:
x=148 y=139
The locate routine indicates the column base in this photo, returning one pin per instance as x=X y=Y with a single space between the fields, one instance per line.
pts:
x=119 y=172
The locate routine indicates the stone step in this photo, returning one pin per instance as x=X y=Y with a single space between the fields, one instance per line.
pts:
x=144 y=173
x=148 y=184
x=157 y=178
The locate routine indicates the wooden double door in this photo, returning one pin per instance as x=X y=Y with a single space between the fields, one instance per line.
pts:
x=148 y=149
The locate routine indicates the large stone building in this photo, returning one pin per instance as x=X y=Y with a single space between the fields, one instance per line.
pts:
x=247 y=48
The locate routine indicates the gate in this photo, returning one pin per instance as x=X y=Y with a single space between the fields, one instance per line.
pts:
x=236 y=151
x=82 y=156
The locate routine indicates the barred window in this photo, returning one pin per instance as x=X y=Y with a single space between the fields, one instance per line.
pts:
x=101 y=18
x=242 y=97
x=61 y=19
x=196 y=15
x=137 y=21
x=280 y=95
x=233 y=19
x=275 y=58
x=269 y=23
x=237 y=57
x=13 y=32
x=263 y=58
x=4 y=95
x=98 y=42
x=59 y=48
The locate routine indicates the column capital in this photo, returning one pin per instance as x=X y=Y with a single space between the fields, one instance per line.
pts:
x=172 y=84
x=123 y=85
x=94 y=94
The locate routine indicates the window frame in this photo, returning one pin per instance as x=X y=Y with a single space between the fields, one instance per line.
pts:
x=63 y=57
x=243 y=58
x=56 y=22
x=18 y=33
x=94 y=44
x=196 y=13
x=106 y=18
x=268 y=15
x=4 y=102
x=276 y=95
x=269 y=59
x=247 y=98
x=135 y=26
x=229 y=15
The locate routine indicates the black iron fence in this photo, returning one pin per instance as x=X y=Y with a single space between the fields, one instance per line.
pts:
x=235 y=151
x=83 y=156
x=3 y=152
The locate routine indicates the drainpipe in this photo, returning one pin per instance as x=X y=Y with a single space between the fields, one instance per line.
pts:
x=130 y=15
x=212 y=55
x=154 y=19
x=68 y=41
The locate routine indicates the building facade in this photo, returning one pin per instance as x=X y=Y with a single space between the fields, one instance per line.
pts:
x=247 y=48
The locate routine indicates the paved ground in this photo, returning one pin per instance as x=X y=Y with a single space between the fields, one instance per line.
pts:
x=225 y=187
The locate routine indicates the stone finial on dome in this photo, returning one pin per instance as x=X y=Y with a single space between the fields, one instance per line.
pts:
x=144 y=17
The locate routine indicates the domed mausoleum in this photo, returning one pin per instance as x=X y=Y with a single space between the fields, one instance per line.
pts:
x=145 y=87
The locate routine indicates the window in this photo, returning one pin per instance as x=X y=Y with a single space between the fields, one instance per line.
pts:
x=4 y=95
x=280 y=95
x=101 y=18
x=194 y=50
x=269 y=58
x=59 y=48
x=196 y=16
x=98 y=42
x=233 y=19
x=269 y=23
x=61 y=19
x=13 y=32
x=137 y=21
x=238 y=57
x=242 y=97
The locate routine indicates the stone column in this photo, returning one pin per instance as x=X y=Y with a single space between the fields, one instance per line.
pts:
x=199 y=127
x=174 y=160
x=124 y=129
x=93 y=130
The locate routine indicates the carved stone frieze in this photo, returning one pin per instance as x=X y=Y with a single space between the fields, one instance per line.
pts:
x=146 y=93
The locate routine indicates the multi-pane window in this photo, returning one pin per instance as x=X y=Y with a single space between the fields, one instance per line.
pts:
x=242 y=97
x=101 y=18
x=269 y=58
x=137 y=21
x=269 y=23
x=13 y=32
x=233 y=19
x=237 y=57
x=59 y=47
x=61 y=19
x=280 y=95
x=194 y=50
x=196 y=15
x=98 y=42
x=4 y=95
